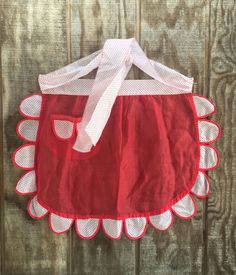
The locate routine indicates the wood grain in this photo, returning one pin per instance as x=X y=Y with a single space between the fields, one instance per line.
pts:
x=221 y=214
x=197 y=38
x=1 y=159
x=175 y=33
x=33 y=42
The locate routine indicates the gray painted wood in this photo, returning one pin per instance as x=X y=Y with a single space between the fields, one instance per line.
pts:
x=33 y=32
x=221 y=214
x=175 y=35
x=195 y=37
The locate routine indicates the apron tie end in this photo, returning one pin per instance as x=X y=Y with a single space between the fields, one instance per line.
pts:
x=83 y=142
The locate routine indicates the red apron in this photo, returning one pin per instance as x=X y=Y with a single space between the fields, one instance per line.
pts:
x=114 y=152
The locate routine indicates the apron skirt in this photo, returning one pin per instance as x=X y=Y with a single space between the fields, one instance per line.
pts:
x=150 y=159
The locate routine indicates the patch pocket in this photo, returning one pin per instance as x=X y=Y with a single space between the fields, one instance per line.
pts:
x=64 y=127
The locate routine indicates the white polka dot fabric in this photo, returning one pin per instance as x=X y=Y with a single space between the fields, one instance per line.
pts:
x=59 y=224
x=201 y=187
x=35 y=209
x=28 y=129
x=27 y=184
x=31 y=106
x=55 y=81
x=24 y=157
x=63 y=128
x=203 y=106
x=162 y=221
x=135 y=227
x=83 y=87
x=113 y=228
x=86 y=228
x=184 y=207
x=208 y=131
x=208 y=157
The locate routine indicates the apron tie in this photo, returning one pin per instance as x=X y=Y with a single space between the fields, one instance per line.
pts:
x=115 y=63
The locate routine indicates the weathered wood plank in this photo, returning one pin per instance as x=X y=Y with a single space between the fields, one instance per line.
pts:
x=1 y=159
x=33 y=42
x=221 y=217
x=175 y=33
x=103 y=256
x=92 y=23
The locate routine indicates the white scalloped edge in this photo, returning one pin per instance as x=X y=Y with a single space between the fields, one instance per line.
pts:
x=30 y=107
x=24 y=156
x=134 y=227
x=26 y=184
x=63 y=129
x=28 y=129
x=204 y=107
x=59 y=224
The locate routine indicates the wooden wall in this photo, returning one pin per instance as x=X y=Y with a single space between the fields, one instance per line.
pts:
x=196 y=37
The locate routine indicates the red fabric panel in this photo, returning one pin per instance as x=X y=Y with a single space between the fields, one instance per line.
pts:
x=146 y=157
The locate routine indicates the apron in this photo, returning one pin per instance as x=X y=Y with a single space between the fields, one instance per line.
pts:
x=114 y=153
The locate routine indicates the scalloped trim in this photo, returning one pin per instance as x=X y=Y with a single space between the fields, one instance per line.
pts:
x=134 y=227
